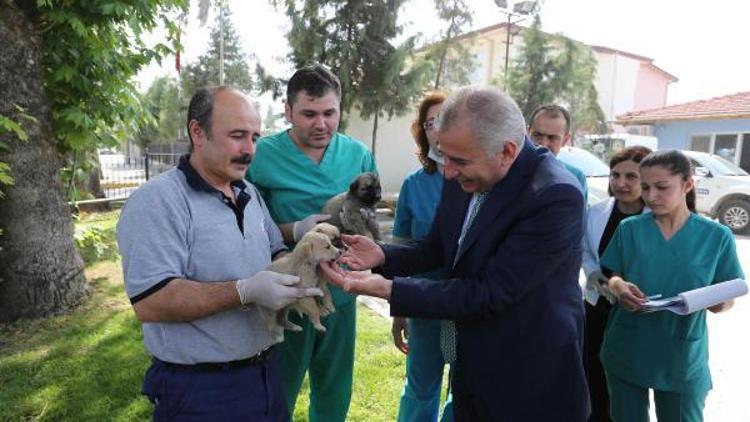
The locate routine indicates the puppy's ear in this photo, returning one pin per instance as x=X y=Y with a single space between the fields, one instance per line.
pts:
x=306 y=249
x=354 y=186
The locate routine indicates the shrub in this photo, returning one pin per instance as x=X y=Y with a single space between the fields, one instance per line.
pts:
x=95 y=244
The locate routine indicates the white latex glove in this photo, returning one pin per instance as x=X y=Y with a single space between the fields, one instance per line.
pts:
x=594 y=282
x=306 y=224
x=273 y=290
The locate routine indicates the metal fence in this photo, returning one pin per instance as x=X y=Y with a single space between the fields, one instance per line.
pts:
x=122 y=175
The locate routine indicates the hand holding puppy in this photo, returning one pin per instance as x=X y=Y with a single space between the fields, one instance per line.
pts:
x=306 y=224
x=272 y=290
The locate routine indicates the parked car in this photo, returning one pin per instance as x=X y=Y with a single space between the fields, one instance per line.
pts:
x=597 y=173
x=722 y=190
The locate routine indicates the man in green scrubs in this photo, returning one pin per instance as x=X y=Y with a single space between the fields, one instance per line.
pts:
x=297 y=171
x=549 y=127
x=662 y=350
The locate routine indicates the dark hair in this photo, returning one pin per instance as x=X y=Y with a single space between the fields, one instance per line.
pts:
x=554 y=111
x=316 y=80
x=418 y=132
x=635 y=154
x=200 y=109
x=678 y=164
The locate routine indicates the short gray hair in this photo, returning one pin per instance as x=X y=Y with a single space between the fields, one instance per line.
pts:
x=493 y=116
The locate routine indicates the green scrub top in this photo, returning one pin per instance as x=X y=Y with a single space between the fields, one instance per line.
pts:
x=662 y=350
x=294 y=186
x=581 y=180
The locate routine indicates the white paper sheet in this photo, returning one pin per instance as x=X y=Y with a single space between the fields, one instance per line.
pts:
x=695 y=300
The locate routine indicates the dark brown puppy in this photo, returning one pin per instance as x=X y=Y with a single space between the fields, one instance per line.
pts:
x=353 y=212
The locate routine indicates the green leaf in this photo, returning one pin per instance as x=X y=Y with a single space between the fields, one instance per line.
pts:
x=8 y=125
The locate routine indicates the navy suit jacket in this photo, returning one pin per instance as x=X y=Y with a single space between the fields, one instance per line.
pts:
x=513 y=292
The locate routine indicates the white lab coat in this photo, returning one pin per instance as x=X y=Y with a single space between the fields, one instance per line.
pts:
x=597 y=216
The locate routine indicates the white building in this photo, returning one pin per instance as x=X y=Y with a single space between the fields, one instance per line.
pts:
x=624 y=82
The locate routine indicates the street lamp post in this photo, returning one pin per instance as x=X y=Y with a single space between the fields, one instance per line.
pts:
x=521 y=10
x=221 y=45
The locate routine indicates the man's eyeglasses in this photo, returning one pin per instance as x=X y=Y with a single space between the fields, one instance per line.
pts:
x=429 y=124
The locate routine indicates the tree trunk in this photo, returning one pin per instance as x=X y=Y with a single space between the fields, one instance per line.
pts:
x=375 y=131
x=95 y=182
x=440 y=68
x=447 y=44
x=41 y=269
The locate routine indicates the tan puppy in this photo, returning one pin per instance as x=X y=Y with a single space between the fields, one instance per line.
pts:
x=311 y=250
x=332 y=232
x=354 y=211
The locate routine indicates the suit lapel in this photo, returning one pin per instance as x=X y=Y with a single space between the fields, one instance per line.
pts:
x=502 y=195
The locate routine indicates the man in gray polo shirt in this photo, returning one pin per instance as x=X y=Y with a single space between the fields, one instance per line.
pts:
x=194 y=242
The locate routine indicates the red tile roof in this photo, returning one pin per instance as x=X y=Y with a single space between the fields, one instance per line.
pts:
x=726 y=107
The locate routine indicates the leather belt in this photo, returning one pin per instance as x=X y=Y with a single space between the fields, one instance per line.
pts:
x=258 y=359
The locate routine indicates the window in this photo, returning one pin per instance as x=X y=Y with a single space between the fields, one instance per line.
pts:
x=700 y=143
x=642 y=130
x=477 y=75
x=725 y=146
x=745 y=154
x=733 y=147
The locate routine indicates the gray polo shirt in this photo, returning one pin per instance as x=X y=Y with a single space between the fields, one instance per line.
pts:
x=177 y=226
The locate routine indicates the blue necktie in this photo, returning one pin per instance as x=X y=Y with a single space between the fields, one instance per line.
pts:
x=448 y=327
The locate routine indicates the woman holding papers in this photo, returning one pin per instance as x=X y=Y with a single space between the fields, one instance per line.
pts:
x=665 y=252
x=601 y=221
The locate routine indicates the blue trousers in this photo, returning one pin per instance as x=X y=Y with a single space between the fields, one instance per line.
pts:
x=420 y=398
x=248 y=393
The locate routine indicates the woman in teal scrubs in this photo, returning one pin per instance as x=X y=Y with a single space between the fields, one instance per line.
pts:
x=417 y=203
x=665 y=252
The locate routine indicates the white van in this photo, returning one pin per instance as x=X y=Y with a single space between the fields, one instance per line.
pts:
x=722 y=190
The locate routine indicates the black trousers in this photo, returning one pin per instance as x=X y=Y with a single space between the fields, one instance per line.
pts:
x=593 y=335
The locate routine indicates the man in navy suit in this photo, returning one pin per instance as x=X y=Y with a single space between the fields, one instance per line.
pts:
x=507 y=233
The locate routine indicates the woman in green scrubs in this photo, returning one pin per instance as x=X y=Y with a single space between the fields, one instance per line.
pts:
x=665 y=252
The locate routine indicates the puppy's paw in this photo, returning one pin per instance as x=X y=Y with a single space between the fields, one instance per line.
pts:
x=327 y=304
x=292 y=326
x=326 y=310
x=318 y=326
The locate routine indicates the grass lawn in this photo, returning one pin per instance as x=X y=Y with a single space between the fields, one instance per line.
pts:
x=89 y=364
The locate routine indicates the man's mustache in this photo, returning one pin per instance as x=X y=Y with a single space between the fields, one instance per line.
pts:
x=243 y=159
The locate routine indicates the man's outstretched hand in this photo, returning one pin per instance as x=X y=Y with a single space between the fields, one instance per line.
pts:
x=362 y=253
x=357 y=282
